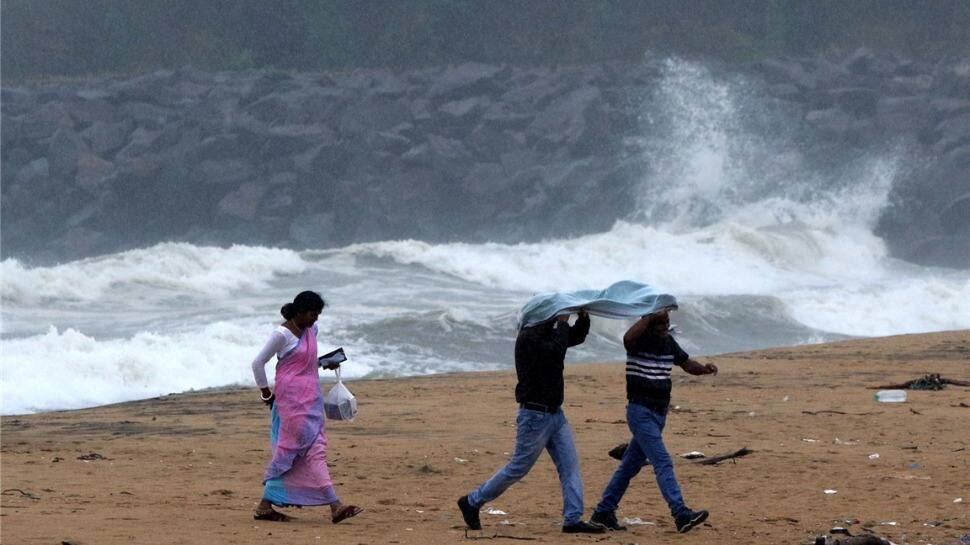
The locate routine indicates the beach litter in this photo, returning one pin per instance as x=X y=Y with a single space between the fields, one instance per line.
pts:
x=874 y=456
x=841 y=536
x=460 y=460
x=830 y=411
x=91 y=456
x=891 y=396
x=841 y=442
x=958 y=500
x=692 y=455
x=479 y=534
x=494 y=511
x=809 y=440
x=637 y=521
x=830 y=491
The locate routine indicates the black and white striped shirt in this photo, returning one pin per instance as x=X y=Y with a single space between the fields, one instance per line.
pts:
x=648 y=366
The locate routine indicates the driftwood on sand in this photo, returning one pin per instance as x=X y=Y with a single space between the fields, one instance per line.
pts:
x=932 y=381
x=711 y=460
x=618 y=451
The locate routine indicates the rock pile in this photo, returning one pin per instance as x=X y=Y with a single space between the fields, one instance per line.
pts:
x=471 y=152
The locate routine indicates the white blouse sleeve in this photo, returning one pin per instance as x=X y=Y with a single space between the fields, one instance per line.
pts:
x=275 y=343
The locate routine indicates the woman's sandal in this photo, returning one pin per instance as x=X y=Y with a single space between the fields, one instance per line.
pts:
x=271 y=515
x=346 y=512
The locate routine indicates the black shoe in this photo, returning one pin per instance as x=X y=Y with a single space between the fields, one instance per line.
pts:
x=607 y=519
x=690 y=519
x=469 y=513
x=583 y=527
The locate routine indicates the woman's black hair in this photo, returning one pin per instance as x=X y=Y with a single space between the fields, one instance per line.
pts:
x=305 y=301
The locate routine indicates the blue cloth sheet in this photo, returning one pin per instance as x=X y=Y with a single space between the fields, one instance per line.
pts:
x=625 y=299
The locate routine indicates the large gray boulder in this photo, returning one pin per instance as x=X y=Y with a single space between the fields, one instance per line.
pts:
x=65 y=149
x=104 y=138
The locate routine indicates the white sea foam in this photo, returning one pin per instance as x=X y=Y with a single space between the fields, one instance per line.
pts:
x=67 y=369
x=177 y=267
x=835 y=280
x=918 y=303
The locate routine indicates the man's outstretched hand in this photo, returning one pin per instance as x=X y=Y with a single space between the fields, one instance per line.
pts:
x=696 y=368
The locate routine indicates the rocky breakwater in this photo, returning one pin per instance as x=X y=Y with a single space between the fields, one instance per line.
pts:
x=471 y=152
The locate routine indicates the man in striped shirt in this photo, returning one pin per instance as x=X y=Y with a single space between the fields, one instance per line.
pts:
x=651 y=354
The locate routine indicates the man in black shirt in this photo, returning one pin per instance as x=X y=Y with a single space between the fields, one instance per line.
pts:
x=651 y=353
x=540 y=424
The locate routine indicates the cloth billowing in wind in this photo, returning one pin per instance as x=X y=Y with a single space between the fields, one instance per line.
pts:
x=625 y=299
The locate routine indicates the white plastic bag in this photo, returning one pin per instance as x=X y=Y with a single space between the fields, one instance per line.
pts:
x=339 y=403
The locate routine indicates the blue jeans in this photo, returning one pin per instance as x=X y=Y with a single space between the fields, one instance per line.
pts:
x=536 y=431
x=647 y=426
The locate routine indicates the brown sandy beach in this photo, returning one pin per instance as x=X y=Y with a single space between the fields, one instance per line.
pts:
x=186 y=468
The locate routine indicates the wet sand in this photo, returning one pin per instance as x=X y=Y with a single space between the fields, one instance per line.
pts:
x=186 y=468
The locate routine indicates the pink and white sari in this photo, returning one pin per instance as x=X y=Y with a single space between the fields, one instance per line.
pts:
x=298 y=473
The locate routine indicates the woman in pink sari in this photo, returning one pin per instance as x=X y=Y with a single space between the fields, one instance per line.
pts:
x=298 y=474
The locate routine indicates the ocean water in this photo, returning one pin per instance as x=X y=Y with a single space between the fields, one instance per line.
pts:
x=760 y=251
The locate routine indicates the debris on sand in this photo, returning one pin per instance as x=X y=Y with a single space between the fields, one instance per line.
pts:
x=11 y=491
x=618 y=451
x=932 y=381
x=91 y=456
x=841 y=536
